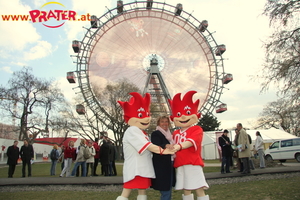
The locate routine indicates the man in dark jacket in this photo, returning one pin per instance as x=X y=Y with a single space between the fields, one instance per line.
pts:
x=26 y=154
x=104 y=157
x=12 y=158
x=225 y=144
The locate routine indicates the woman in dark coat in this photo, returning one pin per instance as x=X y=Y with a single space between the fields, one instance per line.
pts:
x=12 y=158
x=225 y=144
x=163 y=164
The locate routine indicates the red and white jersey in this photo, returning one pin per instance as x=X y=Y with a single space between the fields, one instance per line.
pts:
x=138 y=160
x=191 y=155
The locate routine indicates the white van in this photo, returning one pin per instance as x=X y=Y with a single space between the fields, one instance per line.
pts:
x=283 y=150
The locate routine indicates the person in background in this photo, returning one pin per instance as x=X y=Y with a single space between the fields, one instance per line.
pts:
x=68 y=158
x=12 y=158
x=112 y=157
x=96 y=157
x=259 y=148
x=104 y=157
x=114 y=169
x=91 y=160
x=80 y=160
x=238 y=160
x=27 y=155
x=54 y=151
x=244 y=144
x=163 y=164
x=61 y=156
x=225 y=144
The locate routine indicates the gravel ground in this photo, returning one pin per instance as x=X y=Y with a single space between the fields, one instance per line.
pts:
x=119 y=187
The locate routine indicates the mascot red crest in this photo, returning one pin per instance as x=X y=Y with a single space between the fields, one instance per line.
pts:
x=186 y=106
x=137 y=110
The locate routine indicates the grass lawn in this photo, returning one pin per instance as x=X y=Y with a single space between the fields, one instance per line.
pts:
x=277 y=189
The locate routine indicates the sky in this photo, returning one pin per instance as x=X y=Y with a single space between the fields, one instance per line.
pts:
x=237 y=24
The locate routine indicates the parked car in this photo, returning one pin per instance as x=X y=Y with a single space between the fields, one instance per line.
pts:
x=284 y=149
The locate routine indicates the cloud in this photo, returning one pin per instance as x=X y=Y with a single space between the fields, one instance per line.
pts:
x=41 y=50
x=15 y=35
x=21 y=64
x=7 y=69
x=66 y=87
x=39 y=3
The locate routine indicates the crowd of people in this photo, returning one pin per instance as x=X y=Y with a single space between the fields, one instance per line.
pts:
x=240 y=150
x=86 y=165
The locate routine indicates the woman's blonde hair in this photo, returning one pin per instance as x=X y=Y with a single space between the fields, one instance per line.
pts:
x=55 y=146
x=82 y=141
x=163 y=117
x=71 y=141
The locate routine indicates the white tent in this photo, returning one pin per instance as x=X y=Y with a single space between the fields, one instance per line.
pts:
x=210 y=145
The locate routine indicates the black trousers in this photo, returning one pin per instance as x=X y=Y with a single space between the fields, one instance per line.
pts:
x=11 y=170
x=246 y=165
x=24 y=163
x=105 y=168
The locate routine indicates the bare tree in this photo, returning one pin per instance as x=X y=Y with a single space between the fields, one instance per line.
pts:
x=282 y=114
x=86 y=125
x=108 y=98
x=89 y=125
x=282 y=63
x=31 y=101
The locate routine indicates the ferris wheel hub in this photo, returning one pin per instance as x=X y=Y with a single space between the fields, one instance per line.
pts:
x=147 y=62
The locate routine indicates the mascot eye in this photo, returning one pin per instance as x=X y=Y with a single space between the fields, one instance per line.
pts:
x=188 y=112
x=178 y=114
x=140 y=115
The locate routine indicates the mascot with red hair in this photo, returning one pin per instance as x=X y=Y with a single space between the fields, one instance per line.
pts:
x=138 y=168
x=188 y=139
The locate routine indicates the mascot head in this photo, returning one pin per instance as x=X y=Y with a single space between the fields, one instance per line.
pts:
x=137 y=110
x=184 y=112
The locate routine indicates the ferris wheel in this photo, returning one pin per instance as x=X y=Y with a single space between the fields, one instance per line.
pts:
x=159 y=47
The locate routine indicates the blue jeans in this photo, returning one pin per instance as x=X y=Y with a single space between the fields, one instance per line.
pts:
x=53 y=167
x=83 y=165
x=166 y=195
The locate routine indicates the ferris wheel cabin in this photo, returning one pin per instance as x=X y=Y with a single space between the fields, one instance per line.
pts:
x=220 y=50
x=227 y=78
x=76 y=46
x=94 y=23
x=120 y=6
x=149 y=4
x=71 y=77
x=178 y=9
x=203 y=26
x=80 y=109
x=221 y=108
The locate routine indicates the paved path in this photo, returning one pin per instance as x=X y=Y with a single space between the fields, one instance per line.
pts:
x=116 y=180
